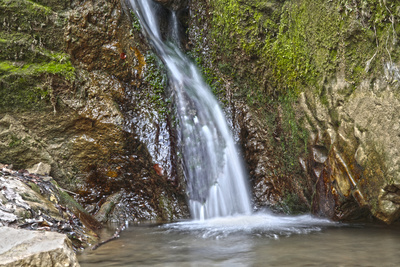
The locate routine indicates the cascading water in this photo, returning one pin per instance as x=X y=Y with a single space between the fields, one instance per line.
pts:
x=217 y=188
x=216 y=182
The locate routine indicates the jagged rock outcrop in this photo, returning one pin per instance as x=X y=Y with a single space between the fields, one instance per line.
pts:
x=32 y=201
x=359 y=138
x=35 y=248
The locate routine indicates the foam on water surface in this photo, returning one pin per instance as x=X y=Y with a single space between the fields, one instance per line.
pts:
x=266 y=224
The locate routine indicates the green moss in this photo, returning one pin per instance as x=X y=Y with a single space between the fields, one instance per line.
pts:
x=31 y=54
x=21 y=93
x=135 y=22
x=291 y=204
x=36 y=6
x=27 y=87
x=33 y=19
x=301 y=42
x=25 y=12
x=66 y=69
x=6 y=67
x=34 y=187
x=155 y=76
x=209 y=75
x=15 y=141
x=27 y=7
x=19 y=46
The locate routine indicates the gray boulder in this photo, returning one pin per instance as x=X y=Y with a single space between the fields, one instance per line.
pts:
x=35 y=248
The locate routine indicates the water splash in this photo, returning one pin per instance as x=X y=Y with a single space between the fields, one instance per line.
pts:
x=216 y=182
x=261 y=224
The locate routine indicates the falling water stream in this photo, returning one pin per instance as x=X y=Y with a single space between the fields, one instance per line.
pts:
x=224 y=231
x=216 y=181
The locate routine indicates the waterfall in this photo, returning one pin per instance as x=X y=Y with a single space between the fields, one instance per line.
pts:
x=216 y=181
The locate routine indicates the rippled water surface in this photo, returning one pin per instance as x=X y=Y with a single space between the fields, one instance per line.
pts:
x=257 y=240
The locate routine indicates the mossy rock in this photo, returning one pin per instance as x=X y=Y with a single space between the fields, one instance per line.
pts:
x=338 y=55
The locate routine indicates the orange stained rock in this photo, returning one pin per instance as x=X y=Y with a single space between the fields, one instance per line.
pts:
x=141 y=60
x=159 y=170
x=112 y=174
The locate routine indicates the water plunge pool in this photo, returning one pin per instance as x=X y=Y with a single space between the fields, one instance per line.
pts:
x=257 y=240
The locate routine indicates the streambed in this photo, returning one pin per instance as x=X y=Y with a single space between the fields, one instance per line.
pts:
x=257 y=240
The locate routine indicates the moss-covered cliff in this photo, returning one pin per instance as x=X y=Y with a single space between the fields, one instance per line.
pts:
x=320 y=80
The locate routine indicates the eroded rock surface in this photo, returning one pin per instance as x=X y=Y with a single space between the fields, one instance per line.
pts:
x=361 y=140
x=319 y=85
x=35 y=248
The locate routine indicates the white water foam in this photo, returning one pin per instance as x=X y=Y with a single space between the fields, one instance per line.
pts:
x=262 y=224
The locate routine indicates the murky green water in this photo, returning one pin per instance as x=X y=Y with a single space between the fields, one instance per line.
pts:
x=289 y=241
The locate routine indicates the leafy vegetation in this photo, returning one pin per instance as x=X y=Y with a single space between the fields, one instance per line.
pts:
x=135 y=21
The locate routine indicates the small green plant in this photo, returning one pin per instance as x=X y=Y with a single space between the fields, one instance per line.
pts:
x=135 y=21
x=15 y=141
x=291 y=204
x=155 y=76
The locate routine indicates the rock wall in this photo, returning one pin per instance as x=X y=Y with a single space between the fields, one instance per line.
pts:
x=81 y=91
x=310 y=89
x=314 y=85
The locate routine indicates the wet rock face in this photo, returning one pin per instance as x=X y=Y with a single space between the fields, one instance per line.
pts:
x=273 y=186
x=123 y=89
x=95 y=36
x=104 y=128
